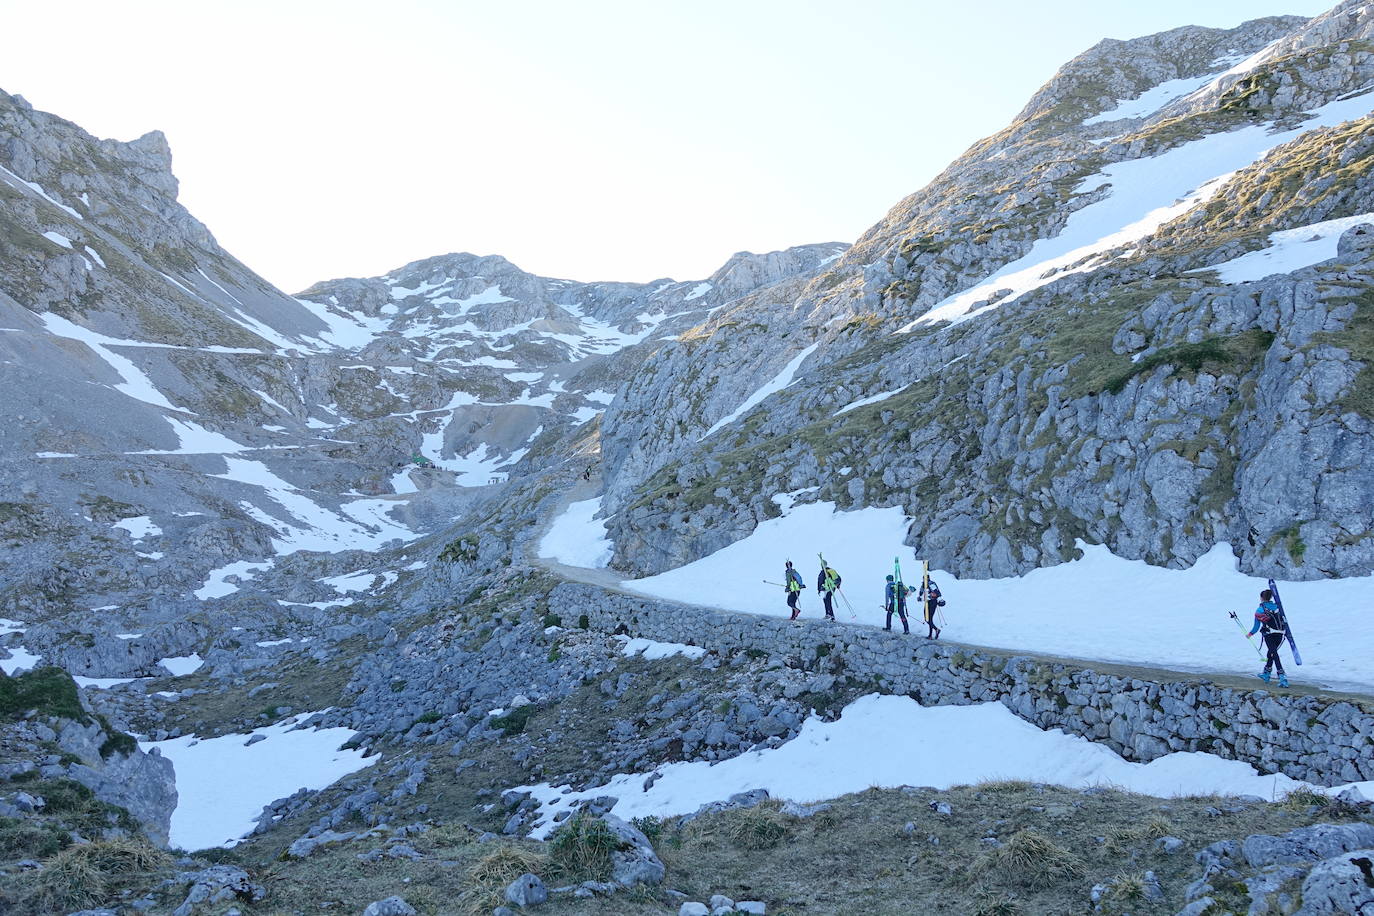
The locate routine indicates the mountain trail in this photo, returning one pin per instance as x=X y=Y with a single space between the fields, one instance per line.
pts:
x=609 y=580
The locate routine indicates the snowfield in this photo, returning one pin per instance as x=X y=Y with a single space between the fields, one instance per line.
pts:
x=576 y=538
x=1100 y=607
x=975 y=744
x=1289 y=250
x=224 y=783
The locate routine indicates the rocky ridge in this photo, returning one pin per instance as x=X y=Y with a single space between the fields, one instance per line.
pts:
x=363 y=539
x=1126 y=396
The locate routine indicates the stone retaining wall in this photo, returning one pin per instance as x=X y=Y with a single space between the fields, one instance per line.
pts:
x=1322 y=740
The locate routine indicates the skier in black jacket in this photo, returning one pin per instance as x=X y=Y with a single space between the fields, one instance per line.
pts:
x=1269 y=619
x=930 y=597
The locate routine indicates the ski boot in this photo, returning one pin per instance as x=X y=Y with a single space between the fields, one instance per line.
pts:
x=1283 y=680
x=1264 y=676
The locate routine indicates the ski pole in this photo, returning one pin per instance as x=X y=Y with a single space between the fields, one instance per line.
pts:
x=1247 y=634
x=779 y=584
x=845 y=599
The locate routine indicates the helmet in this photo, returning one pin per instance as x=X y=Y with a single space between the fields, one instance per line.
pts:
x=889 y=577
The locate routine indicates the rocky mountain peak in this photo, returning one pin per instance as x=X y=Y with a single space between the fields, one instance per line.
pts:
x=746 y=271
x=1114 y=70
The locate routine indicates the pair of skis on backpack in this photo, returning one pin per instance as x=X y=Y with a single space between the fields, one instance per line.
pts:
x=1287 y=633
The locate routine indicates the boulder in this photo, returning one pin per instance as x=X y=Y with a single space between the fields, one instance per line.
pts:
x=527 y=890
x=636 y=862
x=391 y=906
x=1341 y=884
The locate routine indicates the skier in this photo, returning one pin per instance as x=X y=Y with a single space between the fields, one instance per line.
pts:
x=894 y=599
x=1269 y=619
x=792 y=581
x=930 y=598
x=826 y=583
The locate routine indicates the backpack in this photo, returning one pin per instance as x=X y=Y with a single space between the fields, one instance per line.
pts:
x=832 y=579
x=1271 y=620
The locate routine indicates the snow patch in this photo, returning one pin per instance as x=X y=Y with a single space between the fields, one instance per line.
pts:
x=182 y=665
x=776 y=384
x=103 y=683
x=1152 y=100
x=217 y=585
x=1289 y=250
x=873 y=399
x=576 y=538
x=134 y=382
x=978 y=743
x=194 y=439
x=20 y=659
x=363 y=524
x=139 y=528
x=224 y=783
x=652 y=650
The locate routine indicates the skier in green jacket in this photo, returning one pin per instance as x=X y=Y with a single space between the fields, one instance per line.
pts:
x=792 y=581
x=827 y=583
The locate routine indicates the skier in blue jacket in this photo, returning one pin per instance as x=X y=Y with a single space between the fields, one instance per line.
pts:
x=894 y=599
x=1269 y=619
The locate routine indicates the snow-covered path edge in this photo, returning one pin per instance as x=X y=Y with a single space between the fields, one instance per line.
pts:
x=1100 y=609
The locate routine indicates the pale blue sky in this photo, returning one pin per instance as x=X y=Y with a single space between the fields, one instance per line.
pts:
x=594 y=140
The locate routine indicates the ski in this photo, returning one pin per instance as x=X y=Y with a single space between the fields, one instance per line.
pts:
x=1287 y=630
x=925 y=591
x=899 y=591
x=1246 y=633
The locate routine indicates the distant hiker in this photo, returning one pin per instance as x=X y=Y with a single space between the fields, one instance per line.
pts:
x=792 y=581
x=894 y=599
x=587 y=474
x=827 y=583
x=1269 y=619
x=930 y=597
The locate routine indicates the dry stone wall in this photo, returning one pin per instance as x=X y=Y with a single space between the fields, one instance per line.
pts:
x=1322 y=740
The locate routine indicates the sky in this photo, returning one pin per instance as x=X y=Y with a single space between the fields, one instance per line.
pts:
x=598 y=140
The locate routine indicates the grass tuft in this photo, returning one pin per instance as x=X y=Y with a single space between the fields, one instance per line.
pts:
x=93 y=873
x=581 y=848
x=989 y=903
x=1122 y=839
x=1127 y=888
x=49 y=690
x=491 y=874
x=760 y=827
x=1029 y=859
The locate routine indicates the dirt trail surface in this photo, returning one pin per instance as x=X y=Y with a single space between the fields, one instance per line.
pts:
x=612 y=581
